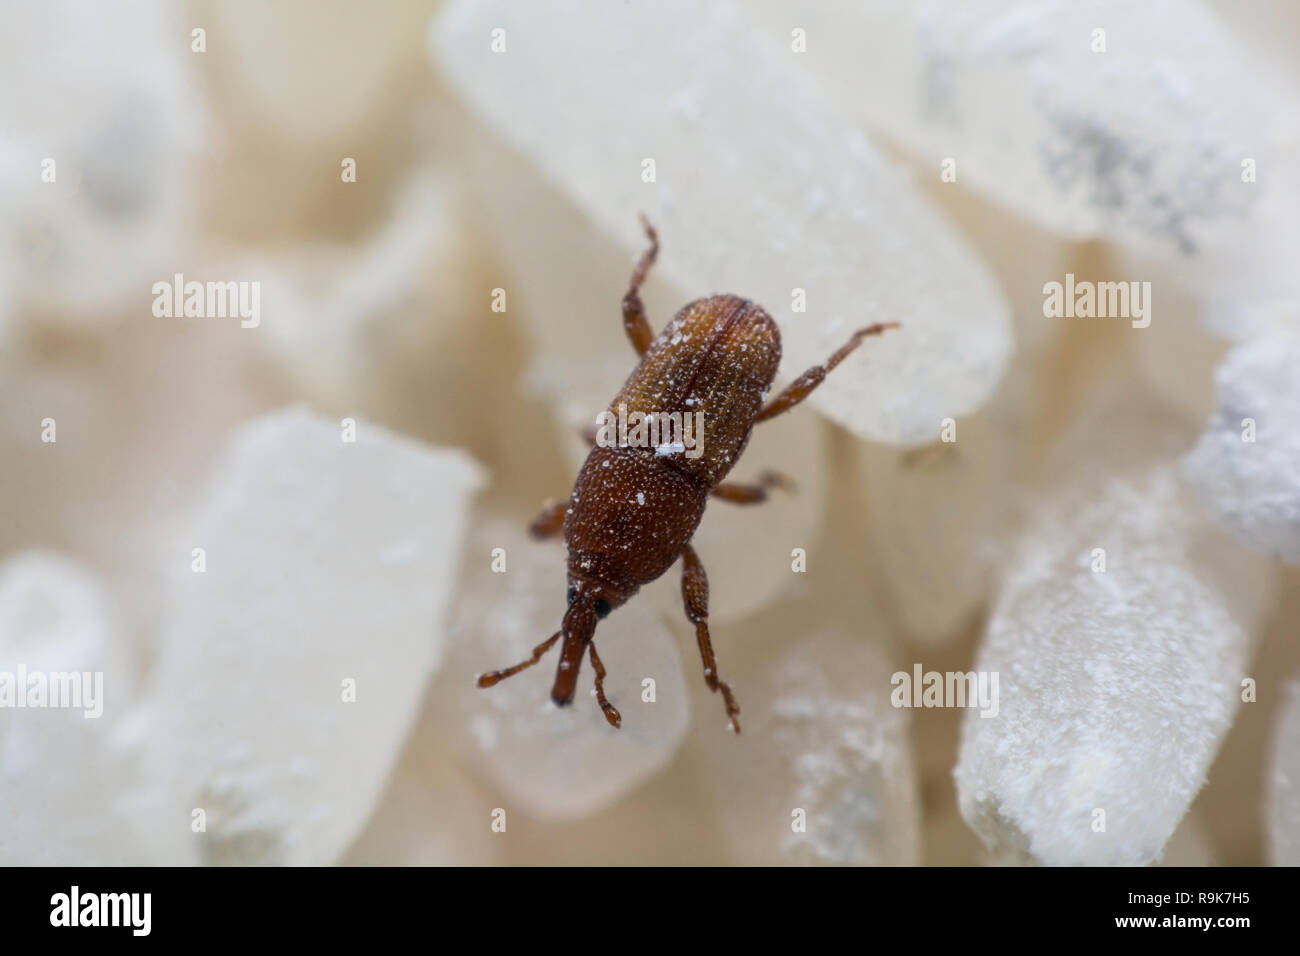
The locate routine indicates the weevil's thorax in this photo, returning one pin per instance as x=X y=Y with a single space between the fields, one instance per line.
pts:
x=630 y=516
x=710 y=368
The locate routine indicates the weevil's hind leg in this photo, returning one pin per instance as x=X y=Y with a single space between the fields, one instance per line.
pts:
x=495 y=677
x=634 y=318
x=590 y=433
x=752 y=494
x=803 y=386
x=611 y=712
x=551 y=521
x=695 y=594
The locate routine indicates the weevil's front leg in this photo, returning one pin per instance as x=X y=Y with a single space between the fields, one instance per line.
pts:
x=634 y=319
x=611 y=713
x=695 y=594
x=802 y=387
x=551 y=521
x=752 y=494
x=494 y=677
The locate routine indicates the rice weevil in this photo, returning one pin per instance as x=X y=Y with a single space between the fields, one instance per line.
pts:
x=636 y=505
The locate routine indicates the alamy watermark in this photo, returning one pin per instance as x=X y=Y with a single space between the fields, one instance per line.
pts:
x=208 y=300
x=1102 y=300
x=132 y=911
x=668 y=433
x=67 y=690
x=947 y=689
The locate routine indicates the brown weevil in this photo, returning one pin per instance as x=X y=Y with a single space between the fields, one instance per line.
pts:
x=636 y=505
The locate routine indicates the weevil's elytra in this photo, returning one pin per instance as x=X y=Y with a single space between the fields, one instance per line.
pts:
x=634 y=510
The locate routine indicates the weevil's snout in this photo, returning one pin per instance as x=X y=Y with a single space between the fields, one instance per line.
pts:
x=578 y=628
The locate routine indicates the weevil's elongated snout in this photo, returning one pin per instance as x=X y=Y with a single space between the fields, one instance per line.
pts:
x=579 y=626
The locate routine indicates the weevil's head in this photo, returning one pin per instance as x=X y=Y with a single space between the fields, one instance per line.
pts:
x=590 y=600
x=600 y=596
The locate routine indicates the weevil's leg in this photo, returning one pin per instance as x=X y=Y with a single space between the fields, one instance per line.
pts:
x=611 y=712
x=551 y=521
x=752 y=494
x=590 y=433
x=634 y=319
x=802 y=387
x=695 y=594
x=495 y=677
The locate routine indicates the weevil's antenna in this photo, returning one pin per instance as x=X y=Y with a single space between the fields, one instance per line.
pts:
x=611 y=712
x=578 y=627
x=495 y=677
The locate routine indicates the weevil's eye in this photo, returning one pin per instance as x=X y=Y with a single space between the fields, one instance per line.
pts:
x=602 y=607
x=573 y=593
